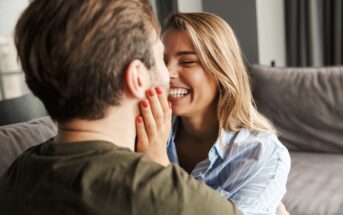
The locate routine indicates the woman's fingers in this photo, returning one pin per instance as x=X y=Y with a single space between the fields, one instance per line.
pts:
x=156 y=107
x=148 y=118
x=153 y=127
x=165 y=104
x=142 y=137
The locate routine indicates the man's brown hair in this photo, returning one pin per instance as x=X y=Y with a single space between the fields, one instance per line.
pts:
x=74 y=52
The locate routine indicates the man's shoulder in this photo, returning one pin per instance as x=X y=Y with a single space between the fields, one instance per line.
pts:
x=118 y=180
x=260 y=144
x=173 y=189
x=157 y=189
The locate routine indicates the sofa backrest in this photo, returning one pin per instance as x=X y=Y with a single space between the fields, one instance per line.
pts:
x=16 y=138
x=305 y=105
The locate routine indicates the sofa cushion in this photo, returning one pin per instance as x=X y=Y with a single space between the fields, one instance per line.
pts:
x=315 y=184
x=305 y=105
x=16 y=138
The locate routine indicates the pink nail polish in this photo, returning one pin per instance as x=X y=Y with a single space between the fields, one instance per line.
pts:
x=159 y=90
x=150 y=93
x=145 y=103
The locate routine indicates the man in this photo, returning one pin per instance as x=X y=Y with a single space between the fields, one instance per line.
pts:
x=91 y=62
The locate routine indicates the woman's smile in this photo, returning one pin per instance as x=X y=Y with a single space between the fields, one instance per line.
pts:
x=176 y=94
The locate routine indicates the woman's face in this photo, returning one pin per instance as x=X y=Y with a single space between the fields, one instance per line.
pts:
x=192 y=90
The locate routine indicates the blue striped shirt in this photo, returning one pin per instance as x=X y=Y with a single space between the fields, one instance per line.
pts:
x=251 y=168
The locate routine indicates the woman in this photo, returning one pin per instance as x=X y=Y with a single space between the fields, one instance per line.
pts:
x=218 y=136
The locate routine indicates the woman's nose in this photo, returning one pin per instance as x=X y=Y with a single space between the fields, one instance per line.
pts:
x=173 y=71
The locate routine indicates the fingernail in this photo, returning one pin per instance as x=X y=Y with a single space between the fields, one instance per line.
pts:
x=151 y=92
x=145 y=103
x=170 y=104
x=159 y=90
x=139 y=119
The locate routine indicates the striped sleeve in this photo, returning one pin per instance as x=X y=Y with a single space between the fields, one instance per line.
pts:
x=256 y=179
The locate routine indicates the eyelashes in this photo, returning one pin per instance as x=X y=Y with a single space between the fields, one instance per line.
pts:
x=183 y=62
x=188 y=63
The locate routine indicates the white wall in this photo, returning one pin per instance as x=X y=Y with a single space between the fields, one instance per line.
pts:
x=271 y=32
x=10 y=11
x=190 y=5
x=12 y=83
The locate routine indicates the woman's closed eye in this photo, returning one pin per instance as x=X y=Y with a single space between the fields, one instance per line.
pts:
x=188 y=62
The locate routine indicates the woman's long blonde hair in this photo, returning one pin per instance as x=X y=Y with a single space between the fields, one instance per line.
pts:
x=217 y=47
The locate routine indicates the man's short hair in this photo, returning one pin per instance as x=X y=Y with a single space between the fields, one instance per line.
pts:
x=74 y=52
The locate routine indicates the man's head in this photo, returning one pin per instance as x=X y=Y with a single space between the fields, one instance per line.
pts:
x=76 y=54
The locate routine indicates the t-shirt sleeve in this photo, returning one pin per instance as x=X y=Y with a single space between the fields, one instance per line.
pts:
x=171 y=190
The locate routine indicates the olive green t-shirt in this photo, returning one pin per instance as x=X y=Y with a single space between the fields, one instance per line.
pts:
x=97 y=177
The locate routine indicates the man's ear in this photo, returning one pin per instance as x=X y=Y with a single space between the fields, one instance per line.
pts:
x=136 y=81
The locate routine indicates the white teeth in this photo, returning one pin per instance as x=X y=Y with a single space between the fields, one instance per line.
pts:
x=177 y=93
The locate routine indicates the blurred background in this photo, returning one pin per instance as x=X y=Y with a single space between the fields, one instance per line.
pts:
x=295 y=49
x=282 y=33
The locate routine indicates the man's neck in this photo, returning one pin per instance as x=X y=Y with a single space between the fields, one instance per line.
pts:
x=118 y=127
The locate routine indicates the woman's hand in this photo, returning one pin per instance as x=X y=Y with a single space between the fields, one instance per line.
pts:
x=154 y=125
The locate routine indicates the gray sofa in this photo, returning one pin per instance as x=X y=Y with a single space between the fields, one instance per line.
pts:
x=306 y=106
x=16 y=138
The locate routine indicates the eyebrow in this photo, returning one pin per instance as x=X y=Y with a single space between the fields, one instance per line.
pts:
x=186 y=53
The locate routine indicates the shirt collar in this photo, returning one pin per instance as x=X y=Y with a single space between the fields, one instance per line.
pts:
x=220 y=147
x=171 y=148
